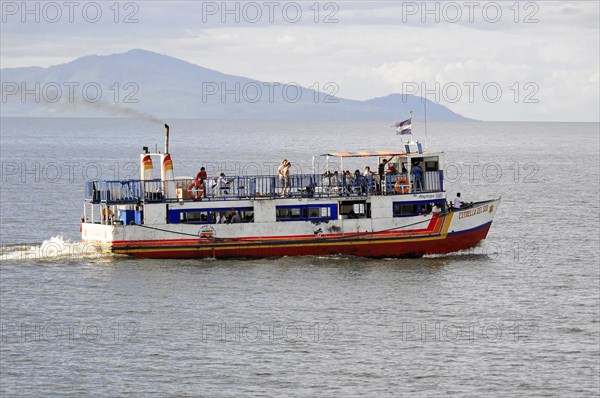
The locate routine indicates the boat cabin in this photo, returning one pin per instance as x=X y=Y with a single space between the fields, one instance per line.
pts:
x=400 y=184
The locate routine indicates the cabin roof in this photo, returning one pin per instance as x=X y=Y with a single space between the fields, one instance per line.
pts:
x=375 y=153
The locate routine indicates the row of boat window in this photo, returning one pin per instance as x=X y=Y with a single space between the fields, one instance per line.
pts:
x=294 y=213
x=210 y=216
x=402 y=209
x=346 y=209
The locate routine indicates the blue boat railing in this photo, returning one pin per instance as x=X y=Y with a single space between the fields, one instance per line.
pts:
x=251 y=187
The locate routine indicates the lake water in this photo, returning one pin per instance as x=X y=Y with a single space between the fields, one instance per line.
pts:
x=518 y=314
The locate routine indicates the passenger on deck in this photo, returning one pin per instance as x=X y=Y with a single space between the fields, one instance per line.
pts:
x=202 y=174
x=458 y=203
x=381 y=169
x=381 y=173
x=359 y=185
x=212 y=185
x=335 y=181
x=436 y=208
x=348 y=181
x=368 y=178
x=280 y=173
x=104 y=214
x=417 y=172
x=223 y=184
x=286 y=190
x=326 y=180
x=200 y=180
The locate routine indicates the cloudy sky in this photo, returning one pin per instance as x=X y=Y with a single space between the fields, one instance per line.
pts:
x=510 y=61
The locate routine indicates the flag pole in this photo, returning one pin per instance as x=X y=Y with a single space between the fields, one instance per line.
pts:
x=411 y=134
x=425 y=104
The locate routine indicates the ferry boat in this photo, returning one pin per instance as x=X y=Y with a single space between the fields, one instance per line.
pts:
x=398 y=214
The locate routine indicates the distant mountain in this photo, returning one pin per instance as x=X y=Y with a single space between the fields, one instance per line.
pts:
x=144 y=83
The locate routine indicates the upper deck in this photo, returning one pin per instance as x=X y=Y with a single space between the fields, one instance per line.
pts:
x=404 y=171
x=252 y=187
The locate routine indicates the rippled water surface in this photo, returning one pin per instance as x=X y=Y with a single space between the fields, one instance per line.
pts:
x=518 y=314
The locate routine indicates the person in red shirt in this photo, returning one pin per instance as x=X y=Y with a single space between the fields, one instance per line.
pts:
x=200 y=178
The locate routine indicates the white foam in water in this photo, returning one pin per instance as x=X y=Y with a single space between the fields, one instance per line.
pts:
x=53 y=248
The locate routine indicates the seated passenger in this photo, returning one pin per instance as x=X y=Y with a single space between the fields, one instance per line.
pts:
x=458 y=203
x=223 y=184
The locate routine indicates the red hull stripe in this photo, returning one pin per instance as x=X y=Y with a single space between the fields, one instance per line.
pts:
x=398 y=246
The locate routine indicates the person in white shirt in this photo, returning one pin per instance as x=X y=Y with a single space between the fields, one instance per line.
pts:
x=436 y=209
x=368 y=179
x=457 y=202
x=221 y=218
x=223 y=184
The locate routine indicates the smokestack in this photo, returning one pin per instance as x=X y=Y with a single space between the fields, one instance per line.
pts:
x=166 y=138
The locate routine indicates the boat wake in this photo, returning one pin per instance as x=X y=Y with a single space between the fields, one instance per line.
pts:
x=52 y=249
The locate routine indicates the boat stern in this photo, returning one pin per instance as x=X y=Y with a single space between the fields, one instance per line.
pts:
x=97 y=237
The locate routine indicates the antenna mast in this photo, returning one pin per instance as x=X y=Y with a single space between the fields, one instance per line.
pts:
x=425 y=104
x=411 y=135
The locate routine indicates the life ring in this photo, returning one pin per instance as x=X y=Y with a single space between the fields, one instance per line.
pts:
x=195 y=191
x=402 y=185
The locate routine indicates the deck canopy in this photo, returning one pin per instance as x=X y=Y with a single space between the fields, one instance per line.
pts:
x=364 y=154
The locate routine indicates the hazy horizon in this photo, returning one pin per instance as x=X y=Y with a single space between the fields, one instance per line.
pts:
x=513 y=61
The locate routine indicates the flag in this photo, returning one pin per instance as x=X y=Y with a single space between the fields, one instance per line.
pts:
x=167 y=162
x=147 y=163
x=146 y=167
x=404 y=127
